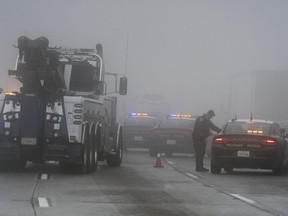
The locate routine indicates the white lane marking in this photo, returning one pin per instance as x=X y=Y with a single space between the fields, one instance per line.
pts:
x=243 y=198
x=43 y=202
x=191 y=175
x=44 y=176
x=170 y=162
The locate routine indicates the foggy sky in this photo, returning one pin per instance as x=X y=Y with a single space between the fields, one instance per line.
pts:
x=186 y=50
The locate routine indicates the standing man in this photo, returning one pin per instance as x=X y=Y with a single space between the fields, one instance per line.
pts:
x=200 y=133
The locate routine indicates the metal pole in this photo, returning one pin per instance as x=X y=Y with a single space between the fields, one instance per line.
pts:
x=126 y=63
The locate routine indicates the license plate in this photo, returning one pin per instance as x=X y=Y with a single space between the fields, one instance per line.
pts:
x=234 y=145
x=138 y=138
x=243 y=154
x=171 y=142
x=28 y=141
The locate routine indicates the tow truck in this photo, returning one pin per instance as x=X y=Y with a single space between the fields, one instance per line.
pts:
x=62 y=112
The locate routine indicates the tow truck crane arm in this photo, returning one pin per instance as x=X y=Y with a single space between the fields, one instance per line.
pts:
x=40 y=69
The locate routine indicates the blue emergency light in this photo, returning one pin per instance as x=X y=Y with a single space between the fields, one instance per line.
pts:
x=139 y=114
x=180 y=115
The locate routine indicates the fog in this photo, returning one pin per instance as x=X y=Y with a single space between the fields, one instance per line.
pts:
x=186 y=50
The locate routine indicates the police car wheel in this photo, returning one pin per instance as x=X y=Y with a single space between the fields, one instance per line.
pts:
x=279 y=170
x=228 y=169
x=152 y=152
x=168 y=154
x=215 y=169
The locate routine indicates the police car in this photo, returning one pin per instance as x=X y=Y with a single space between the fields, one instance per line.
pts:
x=172 y=135
x=248 y=143
x=136 y=129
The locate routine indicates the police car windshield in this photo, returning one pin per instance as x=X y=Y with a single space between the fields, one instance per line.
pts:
x=141 y=121
x=258 y=128
x=177 y=123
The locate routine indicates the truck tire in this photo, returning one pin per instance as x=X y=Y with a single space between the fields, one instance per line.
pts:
x=83 y=166
x=115 y=157
x=90 y=153
x=95 y=146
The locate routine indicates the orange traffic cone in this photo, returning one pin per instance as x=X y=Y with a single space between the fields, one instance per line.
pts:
x=158 y=161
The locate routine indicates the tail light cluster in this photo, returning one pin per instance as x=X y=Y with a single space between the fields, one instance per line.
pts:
x=219 y=140
x=262 y=140
x=270 y=142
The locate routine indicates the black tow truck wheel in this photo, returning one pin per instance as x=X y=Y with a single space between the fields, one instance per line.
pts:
x=84 y=165
x=114 y=158
x=95 y=145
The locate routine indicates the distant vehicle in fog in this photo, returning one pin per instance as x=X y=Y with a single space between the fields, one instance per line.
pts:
x=246 y=143
x=172 y=135
x=136 y=129
x=150 y=103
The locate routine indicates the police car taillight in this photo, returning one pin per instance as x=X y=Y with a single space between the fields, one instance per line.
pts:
x=218 y=140
x=270 y=142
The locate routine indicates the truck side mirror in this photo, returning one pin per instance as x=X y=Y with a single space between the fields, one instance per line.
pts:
x=123 y=86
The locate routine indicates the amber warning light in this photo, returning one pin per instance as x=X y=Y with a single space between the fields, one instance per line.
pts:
x=255 y=132
x=9 y=93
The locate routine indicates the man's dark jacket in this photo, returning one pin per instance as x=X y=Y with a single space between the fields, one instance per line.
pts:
x=202 y=127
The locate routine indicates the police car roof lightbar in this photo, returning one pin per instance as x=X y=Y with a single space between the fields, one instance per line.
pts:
x=181 y=115
x=139 y=114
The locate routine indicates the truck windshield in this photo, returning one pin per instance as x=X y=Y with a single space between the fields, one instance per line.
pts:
x=82 y=78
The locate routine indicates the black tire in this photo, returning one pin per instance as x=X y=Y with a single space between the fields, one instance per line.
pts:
x=168 y=154
x=215 y=169
x=115 y=158
x=228 y=169
x=19 y=165
x=65 y=166
x=95 y=144
x=152 y=152
x=280 y=169
x=90 y=153
x=83 y=166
